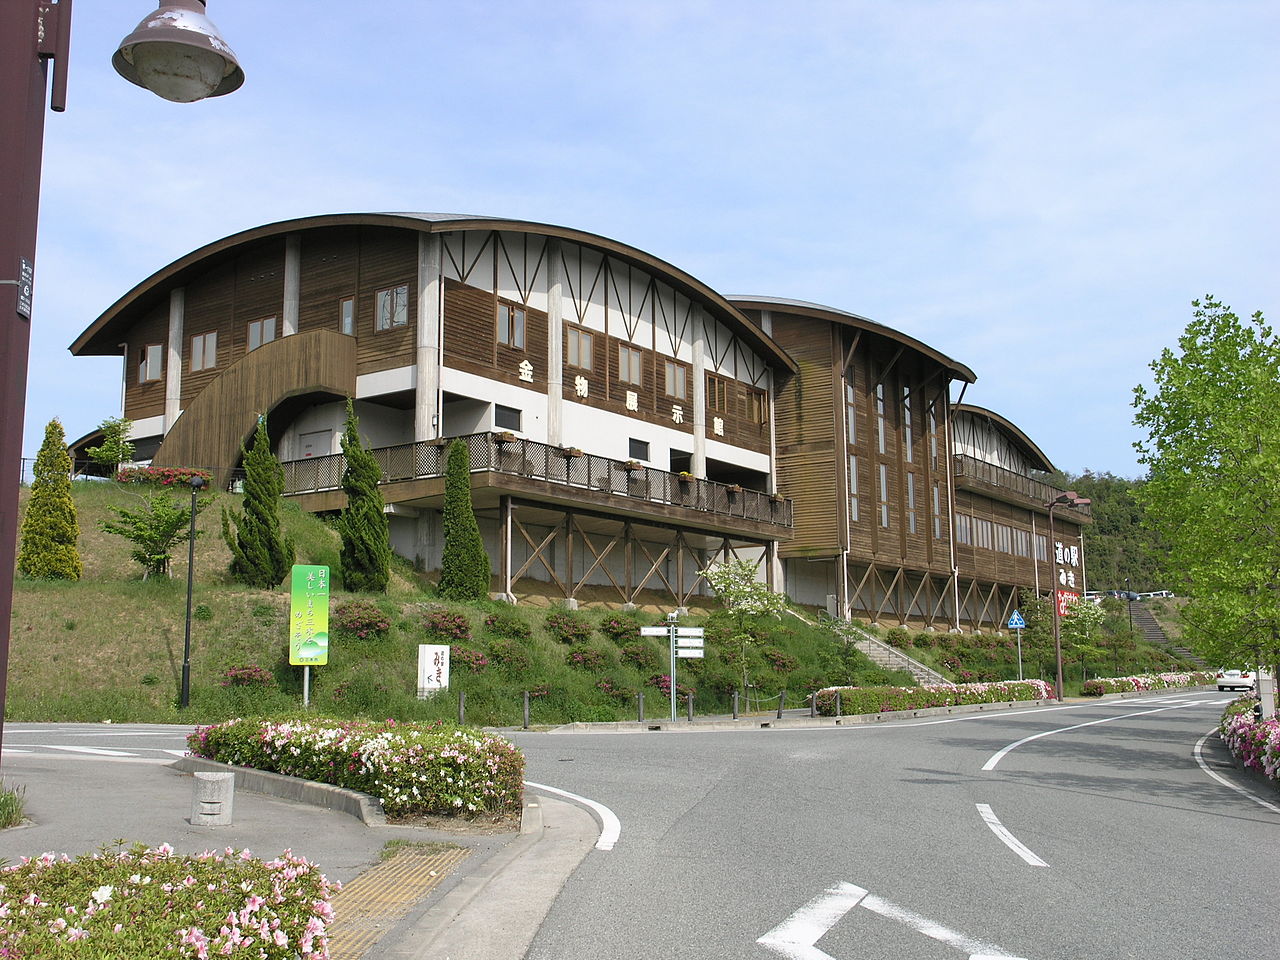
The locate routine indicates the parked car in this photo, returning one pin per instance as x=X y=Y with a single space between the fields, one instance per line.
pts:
x=1234 y=680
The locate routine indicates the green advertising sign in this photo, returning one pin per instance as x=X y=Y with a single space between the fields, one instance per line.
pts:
x=309 y=616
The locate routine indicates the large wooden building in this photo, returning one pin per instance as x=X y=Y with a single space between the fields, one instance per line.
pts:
x=626 y=423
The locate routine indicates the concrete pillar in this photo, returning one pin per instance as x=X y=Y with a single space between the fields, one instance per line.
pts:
x=555 y=345
x=427 y=415
x=212 y=795
x=292 y=285
x=173 y=358
x=698 y=467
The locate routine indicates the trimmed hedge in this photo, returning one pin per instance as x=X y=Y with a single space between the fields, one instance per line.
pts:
x=860 y=700
x=1160 y=681
x=413 y=768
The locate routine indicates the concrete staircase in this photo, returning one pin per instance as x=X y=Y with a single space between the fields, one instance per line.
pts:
x=883 y=655
x=1151 y=632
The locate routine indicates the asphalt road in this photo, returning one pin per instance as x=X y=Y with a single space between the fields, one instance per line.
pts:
x=869 y=841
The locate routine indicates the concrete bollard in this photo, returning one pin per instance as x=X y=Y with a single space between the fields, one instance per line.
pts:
x=211 y=798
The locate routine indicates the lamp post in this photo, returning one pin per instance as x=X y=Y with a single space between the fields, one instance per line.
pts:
x=197 y=484
x=33 y=33
x=1068 y=499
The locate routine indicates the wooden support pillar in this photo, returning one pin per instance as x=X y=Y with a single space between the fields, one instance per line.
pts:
x=504 y=524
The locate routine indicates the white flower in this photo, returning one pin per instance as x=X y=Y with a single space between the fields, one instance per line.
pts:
x=103 y=894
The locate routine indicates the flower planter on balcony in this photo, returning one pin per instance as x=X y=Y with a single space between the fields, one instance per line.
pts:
x=632 y=466
x=570 y=452
x=507 y=437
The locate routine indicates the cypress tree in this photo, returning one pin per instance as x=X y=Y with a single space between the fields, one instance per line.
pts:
x=50 y=529
x=365 y=558
x=260 y=553
x=464 y=567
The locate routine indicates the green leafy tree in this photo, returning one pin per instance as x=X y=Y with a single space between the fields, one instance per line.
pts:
x=49 y=528
x=365 y=557
x=1122 y=551
x=164 y=524
x=115 y=448
x=1212 y=419
x=746 y=599
x=261 y=555
x=1082 y=634
x=1037 y=636
x=464 y=566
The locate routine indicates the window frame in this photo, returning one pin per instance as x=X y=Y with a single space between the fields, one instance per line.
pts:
x=512 y=329
x=205 y=345
x=262 y=326
x=625 y=373
x=575 y=338
x=397 y=313
x=513 y=415
x=638 y=449
x=347 y=316
x=718 y=393
x=151 y=363
x=671 y=367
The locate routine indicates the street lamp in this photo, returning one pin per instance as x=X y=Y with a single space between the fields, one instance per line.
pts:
x=197 y=484
x=33 y=33
x=1068 y=499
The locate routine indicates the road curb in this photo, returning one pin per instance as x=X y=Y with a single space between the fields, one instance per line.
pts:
x=362 y=806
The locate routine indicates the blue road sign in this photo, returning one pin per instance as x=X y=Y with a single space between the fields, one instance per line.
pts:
x=1016 y=622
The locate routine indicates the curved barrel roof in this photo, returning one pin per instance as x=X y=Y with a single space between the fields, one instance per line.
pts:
x=1010 y=430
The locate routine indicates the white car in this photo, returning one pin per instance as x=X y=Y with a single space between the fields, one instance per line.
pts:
x=1234 y=680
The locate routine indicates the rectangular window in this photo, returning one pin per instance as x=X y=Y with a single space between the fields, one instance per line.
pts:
x=964 y=528
x=1042 y=548
x=151 y=362
x=757 y=406
x=511 y=326
x=676 y=380
x=579 y=345
x=982 y=533
x=933 y=438
x=853 y=488
x=850 y=408
x=937 y=512
x=204 y=351
x=391 y=307
x=907 y=436
x=1004 y=538
x=629 y=369
x=884 y=496
x=911 y=502
x=261 y=331
x=880 y=417
x=638 y=449
x=717 y=393
x=506 y=418
x=1021 y=543
x=347 y=316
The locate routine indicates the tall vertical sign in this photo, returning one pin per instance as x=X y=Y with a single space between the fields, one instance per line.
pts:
x=308 y=621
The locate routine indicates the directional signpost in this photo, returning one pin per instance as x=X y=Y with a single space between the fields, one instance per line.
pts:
x=1016 y=622
x=686 y=644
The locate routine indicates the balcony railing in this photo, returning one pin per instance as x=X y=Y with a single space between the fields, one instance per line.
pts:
x=966 y=467
x=526 y=458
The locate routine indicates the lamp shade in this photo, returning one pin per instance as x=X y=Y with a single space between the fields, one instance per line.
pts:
x=177 y=53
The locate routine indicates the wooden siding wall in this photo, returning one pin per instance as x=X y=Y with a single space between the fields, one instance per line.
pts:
x=142 y=400
x=388 y=258
x=329 y=272
x=995 y=564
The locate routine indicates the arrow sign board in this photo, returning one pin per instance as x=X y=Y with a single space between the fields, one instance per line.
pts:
x=687 y=653
x=1016 y=622
x=654 y=631
x=689 y=631
x=688 y=643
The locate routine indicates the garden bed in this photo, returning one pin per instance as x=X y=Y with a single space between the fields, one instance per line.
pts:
x=860 y=700
x=1099 y=686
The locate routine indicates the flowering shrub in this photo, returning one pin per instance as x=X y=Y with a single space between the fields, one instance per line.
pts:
x=508 y=653
x=781 y=662
x=413 y=768
x=541 y=690
x=473 y=660
x=855 y=700
x=447 y=626
x=567 y=627
x=508 y=625
x=250 y=676
x=1160 y=681
x=586 y=657
x=162 y=476
x=640 y=655
x=149 y=903
x=1256 y=745
x=898 y=637
x=617 y=691
x=663 y=682
x=619 y=628
x=360 y=620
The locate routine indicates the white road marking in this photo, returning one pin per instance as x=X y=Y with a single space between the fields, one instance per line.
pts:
x=795 y=937
x=95 y=751
x=610 y=825
x=1010 y=841
x=1000 y=754
x=1225 y=782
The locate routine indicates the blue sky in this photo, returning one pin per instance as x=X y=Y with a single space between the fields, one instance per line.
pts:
x=1037 y=189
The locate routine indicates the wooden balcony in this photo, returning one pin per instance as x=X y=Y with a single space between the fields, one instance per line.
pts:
x=413 y=473
x=1001 y=484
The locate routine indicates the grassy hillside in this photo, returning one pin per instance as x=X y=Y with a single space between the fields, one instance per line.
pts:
x=110 y=646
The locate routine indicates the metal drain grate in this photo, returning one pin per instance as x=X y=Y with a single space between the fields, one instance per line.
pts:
x=373 y=902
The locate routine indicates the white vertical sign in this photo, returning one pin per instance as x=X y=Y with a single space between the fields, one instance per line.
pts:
x=433 y=668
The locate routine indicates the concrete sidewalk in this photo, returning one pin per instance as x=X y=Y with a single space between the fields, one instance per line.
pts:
x=83 y=804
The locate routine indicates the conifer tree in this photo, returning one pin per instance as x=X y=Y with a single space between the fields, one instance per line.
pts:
x=260 y=553
x=365 y=558
x=50 y=529
x=464 y=566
